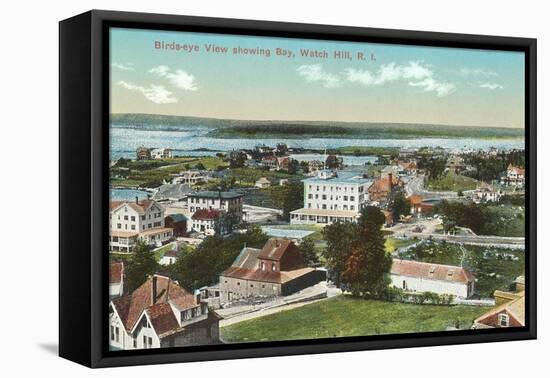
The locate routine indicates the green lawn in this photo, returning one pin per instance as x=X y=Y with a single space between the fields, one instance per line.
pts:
x=452 y=182
x=162 y=250
x=392 y=243
x=151 y=173
x=347 y=316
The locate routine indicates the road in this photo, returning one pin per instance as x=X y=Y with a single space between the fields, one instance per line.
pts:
x=428 y=228
x=310 y=295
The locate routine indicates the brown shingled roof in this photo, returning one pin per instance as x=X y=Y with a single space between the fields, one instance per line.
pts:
x=116 y=270
x=162 y=318
x=382 y=184
x=274 y=249
x=139 y=206
x=206 y=214
x=431 y=271
x=514 y=308
x=130 y=307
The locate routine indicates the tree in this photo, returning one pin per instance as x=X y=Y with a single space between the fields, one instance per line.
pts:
x=368 y=267
x=399 y=205
x=433 y=166
x=288 y=197
x=307 y=248
x=293 y=165
x=237 y=159
x=304 y=165
x=340 y=238
x=140 y=266
x=200 y=166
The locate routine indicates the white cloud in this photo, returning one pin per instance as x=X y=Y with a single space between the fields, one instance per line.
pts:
x=465 y=71
x=491 y=86
x=429 y=84
x=123 y=67
x=418 y=75
x=155 y=93
x=388 y=73
x=178 y=78
x=316 y=73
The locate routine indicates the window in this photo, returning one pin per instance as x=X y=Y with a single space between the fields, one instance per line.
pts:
x=112 y=333
x=404 y=285
x=503 y=320
x=135 y=343
x=345 y=198
x=352 y=198
x=133 y=218
x=126 y=217
x=119 y=226
x=310 y=196
x=273 y=267
x=145 y=341
x=133 y=227
x=117 y=336
x=262 y=265
x=251 y=285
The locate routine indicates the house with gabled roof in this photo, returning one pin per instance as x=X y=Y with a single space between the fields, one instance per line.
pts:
x=277 y=269
x=158 y=314
x=207 y=222
x=383 y=186
x=415 y=276
x=510 y=310
x=514 y=176
x=130 y=221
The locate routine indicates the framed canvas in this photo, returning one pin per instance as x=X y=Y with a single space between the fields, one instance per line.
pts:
x=234 y=188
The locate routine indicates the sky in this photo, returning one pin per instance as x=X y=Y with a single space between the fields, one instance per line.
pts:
x=388 y=83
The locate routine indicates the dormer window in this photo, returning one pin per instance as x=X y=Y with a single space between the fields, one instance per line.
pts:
x=503 y=320
x=273 y=267
x=262 y=266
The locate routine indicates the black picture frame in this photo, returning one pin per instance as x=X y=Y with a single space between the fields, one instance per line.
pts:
x=83 y=196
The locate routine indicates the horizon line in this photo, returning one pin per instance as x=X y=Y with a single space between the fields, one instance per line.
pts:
x=320 y=120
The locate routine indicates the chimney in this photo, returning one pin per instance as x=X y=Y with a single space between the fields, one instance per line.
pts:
x=153 y=289
x=390 y=180
x=137 y=200
x=198 y=297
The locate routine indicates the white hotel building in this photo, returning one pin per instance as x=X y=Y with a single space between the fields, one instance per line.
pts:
x=332 y=197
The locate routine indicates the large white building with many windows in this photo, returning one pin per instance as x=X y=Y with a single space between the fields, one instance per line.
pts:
x=133 y=220
x=229 y=202
x=332 y=197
